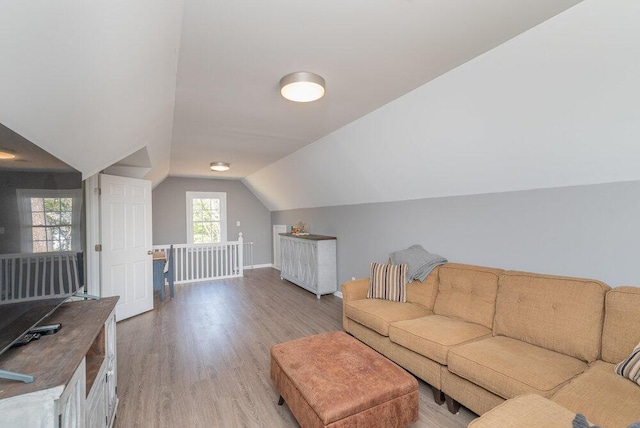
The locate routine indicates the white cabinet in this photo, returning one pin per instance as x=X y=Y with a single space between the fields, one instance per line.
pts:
x=310 y=262
x=72 y=387
x=51 y=408
x=102 y=399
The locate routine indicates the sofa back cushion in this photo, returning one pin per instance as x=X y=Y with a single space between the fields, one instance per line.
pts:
x=558 y=313
x=467 y=293
x=424 y=292
x=621 y=331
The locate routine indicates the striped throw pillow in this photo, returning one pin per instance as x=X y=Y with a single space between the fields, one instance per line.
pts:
x=630 y=367
x=388 y=282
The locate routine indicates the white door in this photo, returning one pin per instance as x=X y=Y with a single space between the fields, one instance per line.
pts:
x=126 y=266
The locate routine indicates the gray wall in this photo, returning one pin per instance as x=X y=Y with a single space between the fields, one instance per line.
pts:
x=585 y=231
x=170 y=217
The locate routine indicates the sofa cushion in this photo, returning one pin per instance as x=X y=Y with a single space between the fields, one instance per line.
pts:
x=557 y=313
x=530 y=410
x=434 y=335
x=509 y=367
x=424 y=292
x=388 y=282
x=621 y=330
x=467 y=292
x=605 y=398
x=377 y=314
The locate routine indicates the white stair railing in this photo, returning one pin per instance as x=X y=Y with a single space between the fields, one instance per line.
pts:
x=206 y=262
x=29 y=276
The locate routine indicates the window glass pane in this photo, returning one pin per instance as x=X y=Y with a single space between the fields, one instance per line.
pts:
x=65 y=218
x=215 y=232
x=52 y=219
x=39 y=246
x=65 y=232
x=37 y=204
x=39 y=234
x=52 y=204
x=52 y=233
x=66 y=204
x=37 y=218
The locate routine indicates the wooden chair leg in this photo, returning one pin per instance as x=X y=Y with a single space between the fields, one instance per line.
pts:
x=452 y=405
x=438 y=396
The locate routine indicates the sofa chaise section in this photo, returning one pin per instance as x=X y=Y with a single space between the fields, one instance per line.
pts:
x=605 y=398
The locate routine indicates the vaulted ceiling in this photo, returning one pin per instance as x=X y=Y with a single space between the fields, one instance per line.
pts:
x=188 y=82
x=233 y=54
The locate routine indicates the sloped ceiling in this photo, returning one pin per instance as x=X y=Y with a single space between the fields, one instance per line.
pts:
x=555 y=106
x=233 y=54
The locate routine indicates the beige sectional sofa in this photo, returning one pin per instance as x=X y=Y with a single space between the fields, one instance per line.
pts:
x=480 y=336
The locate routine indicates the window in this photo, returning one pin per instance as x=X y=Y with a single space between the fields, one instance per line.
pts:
x=206 y=217
x=50 y=220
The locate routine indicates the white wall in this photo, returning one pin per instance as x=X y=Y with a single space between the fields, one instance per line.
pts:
x=555 y=106
x=91 y=81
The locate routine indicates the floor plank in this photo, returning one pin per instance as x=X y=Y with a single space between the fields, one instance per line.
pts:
x=202 y=359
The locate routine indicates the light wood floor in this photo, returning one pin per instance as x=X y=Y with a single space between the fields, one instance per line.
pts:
x=202 y=359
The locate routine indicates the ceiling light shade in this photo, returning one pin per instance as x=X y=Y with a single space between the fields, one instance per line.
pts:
x=220 y=166
x=7 y=155
x=302 y=87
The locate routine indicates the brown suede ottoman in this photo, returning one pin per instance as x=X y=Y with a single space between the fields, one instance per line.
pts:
x=333 y=380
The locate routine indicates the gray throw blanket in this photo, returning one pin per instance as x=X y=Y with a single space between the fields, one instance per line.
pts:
x=420 y=262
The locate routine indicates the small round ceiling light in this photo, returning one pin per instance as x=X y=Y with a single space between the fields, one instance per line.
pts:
x=7 y=155
x=302 y=87
x=220 y=166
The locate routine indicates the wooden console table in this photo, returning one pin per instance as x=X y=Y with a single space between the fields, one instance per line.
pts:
x=310 y=262
x=75 y=371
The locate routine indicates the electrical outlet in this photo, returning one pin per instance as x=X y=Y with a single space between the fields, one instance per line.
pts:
x=238 y=223
x=353 y=278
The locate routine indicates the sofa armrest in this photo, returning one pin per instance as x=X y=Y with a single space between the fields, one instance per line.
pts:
x=355 y=290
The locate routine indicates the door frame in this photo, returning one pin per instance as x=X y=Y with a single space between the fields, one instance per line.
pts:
x=92 y=237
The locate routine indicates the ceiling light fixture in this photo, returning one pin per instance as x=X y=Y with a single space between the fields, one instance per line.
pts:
x=220 y=166
x=302 y=87
x=7 y=155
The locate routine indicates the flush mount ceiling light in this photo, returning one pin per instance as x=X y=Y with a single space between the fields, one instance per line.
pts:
x=7 y=155
x=302 y=87
x=220 y=166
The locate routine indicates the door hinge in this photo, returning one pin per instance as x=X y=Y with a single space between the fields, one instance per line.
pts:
x=97 y=191
x=106 y=420
x=98 y=247
x=60 y=420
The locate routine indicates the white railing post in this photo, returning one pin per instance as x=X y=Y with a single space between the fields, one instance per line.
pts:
x=240 y=258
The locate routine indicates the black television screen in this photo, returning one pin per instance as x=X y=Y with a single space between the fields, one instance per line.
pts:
x=41 y=235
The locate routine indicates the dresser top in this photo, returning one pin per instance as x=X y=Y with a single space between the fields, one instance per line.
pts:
x=310 y=237
x=53 y=359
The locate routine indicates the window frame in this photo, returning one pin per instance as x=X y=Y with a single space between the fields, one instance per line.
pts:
x=222 y=196
x=24 y=197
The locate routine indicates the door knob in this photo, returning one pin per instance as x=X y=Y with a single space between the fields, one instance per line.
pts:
x=150 y=252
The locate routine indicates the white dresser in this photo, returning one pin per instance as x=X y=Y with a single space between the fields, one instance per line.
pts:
x=75 y=371
x=310 y=262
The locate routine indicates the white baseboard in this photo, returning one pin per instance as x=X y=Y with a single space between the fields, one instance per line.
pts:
x=266 y=265
x=338 y=294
